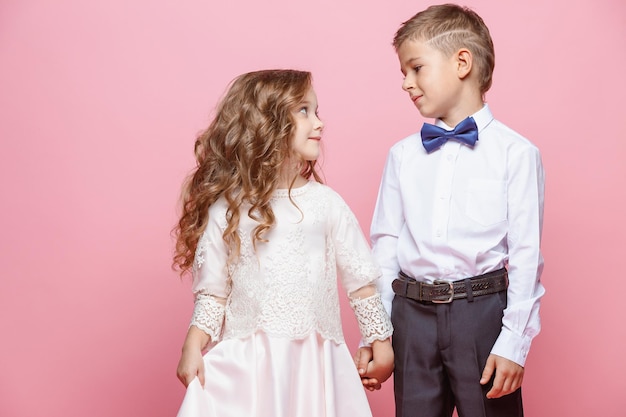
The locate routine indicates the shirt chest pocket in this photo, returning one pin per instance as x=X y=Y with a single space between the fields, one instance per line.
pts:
x=486 y=201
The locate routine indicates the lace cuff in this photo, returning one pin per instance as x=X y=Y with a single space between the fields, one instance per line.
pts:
x=208 y=315
x=374 y=323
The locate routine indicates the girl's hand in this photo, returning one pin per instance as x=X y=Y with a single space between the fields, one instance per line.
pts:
x=362 y=360
x=190 y=366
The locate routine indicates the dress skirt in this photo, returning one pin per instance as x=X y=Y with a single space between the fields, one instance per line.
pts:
x=267 y=376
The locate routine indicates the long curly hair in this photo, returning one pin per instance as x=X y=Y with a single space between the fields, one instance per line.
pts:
x=241 y=157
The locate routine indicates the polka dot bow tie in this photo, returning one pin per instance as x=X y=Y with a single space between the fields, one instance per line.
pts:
x=433 y=136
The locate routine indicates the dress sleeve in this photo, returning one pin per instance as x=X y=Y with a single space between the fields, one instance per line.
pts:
x=210 y=280
x=357 y=270
x=373 y=320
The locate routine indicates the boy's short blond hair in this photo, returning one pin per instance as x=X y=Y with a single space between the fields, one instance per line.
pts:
x=449 y=27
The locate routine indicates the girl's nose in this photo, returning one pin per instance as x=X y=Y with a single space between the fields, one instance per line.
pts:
x=319 y=125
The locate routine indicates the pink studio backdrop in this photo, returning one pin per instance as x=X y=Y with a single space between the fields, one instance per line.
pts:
x=99 y=105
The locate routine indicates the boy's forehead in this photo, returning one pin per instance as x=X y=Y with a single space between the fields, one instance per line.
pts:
x=416 y=38
x=412 y=49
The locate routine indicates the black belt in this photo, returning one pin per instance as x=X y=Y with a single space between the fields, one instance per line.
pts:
x=445 y=292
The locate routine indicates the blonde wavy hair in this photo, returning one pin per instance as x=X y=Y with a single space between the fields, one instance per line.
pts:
x=241 y=157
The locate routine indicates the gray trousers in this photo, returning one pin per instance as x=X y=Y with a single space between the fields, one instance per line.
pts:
x=440 y=352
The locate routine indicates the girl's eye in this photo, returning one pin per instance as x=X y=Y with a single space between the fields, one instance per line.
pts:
x=304 y=111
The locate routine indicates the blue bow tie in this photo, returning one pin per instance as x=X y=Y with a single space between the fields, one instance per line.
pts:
x=433 y=136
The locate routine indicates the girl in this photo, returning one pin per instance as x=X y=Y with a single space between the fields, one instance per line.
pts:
x=264 y=243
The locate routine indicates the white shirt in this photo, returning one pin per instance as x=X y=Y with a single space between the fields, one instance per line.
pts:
x=460 y=212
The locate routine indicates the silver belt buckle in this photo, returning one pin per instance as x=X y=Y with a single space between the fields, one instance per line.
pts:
x=449 y=299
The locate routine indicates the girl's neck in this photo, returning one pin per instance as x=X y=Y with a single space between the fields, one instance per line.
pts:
x=285 y=182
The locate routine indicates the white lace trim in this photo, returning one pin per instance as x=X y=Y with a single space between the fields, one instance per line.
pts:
x=294 y=192
x=208 y=315
x=203 y=244
x=373 y=320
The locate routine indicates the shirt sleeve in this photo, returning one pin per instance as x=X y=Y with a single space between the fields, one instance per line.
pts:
x=210 y=283
x=387 y=223
x=520 y=323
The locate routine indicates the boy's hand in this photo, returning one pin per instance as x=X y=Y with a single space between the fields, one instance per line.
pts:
x=508 y=379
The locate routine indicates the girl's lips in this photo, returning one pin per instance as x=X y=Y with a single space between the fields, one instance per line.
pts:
x=316 y=138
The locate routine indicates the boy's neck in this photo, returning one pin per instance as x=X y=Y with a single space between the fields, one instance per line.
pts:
x=462 y=111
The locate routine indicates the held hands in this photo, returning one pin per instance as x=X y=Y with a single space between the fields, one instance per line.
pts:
x=375 y=364
x=508 y=376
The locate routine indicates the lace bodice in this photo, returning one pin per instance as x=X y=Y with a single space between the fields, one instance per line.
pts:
x=288 y=286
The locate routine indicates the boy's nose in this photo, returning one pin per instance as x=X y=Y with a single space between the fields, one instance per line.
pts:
x=407 y=84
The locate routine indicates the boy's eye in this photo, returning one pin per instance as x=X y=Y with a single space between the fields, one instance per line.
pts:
x=417 y=68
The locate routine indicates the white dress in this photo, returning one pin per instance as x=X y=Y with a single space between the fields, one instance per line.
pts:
x=279 y=348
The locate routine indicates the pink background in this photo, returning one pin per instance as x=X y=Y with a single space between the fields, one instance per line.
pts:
x=99 y=106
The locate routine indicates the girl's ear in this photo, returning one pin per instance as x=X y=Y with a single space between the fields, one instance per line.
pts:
x=464 y=62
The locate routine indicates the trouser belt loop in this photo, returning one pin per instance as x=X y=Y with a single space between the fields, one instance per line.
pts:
x=406 y=287
x=468 y=290
x=406 y=280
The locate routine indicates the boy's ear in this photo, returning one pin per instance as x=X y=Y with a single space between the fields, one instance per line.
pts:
x=464 y=61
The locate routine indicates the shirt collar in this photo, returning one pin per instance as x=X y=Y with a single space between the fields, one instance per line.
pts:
x=482 y=118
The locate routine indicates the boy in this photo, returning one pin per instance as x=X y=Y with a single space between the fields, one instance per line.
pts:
x=456 y=229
